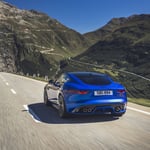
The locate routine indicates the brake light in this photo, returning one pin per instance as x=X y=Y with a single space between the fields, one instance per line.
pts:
x=82 y=92
x=121 y=92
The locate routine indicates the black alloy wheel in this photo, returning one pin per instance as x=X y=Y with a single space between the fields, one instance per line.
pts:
x=62 y=108
x=46 y=102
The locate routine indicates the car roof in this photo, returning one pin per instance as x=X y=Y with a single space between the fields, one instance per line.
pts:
x=86 y=73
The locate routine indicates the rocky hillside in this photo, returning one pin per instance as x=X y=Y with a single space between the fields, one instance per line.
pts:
x=33 y=42
x=123 y=43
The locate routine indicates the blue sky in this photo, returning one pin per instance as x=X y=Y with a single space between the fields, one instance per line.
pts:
x=85 y=15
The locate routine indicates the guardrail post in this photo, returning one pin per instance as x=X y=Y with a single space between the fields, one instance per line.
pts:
x=46 y=78
x=34 y=75
x=27 y=74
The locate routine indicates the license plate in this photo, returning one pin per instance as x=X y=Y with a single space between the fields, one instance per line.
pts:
x=104 y=92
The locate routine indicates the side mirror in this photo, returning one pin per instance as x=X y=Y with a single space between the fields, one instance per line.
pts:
x=51 y=81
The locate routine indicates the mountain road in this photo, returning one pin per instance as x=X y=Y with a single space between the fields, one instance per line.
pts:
x=27 y=124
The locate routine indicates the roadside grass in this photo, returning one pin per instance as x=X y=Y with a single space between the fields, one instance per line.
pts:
x=140 y=101
x=110 y=72
x=40 y=78
x=37 y=78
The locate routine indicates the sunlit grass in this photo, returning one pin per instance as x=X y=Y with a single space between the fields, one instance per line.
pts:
x=140 y=101
x=110 y=72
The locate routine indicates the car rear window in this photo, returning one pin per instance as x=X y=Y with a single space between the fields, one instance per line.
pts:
x=94 y=79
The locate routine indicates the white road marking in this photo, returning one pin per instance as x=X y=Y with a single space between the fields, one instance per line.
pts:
x=7 y=83
x=32 y=114
x=138 y=110
x=13 y=91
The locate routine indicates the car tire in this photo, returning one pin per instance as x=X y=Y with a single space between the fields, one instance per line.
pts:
x=62 y=107
x=46 y=102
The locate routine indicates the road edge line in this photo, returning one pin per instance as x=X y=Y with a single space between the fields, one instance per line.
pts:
x=138 y=110
x=32 y=114
x=13 y=91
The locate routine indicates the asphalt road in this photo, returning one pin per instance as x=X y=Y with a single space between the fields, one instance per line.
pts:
x=46 y=131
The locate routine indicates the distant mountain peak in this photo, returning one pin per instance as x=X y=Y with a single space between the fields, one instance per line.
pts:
x=114 y=24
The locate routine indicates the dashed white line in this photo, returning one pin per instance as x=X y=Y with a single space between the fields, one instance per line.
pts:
x=138 y=110
x=13 y=91
x=32 y=114
x=7 y=83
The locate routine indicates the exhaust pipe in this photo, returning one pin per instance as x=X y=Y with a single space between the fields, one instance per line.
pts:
x=89 y=109
x=85 y=110
x=117 y=108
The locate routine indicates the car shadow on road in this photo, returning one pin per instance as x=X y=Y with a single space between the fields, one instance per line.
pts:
x=50 y=115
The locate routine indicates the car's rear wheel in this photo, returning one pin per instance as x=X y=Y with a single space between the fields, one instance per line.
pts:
x=62 y=108
x=46 y=102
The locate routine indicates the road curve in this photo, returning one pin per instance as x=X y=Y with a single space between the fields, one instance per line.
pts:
x=20 y=96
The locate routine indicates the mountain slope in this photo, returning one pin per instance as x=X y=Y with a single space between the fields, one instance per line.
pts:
x=123 y=44
x=127 y=45
x=33 y=42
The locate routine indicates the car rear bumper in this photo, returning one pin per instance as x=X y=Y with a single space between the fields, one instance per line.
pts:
x=114 y=106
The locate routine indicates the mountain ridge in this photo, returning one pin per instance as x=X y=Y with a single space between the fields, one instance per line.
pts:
x=110 y=27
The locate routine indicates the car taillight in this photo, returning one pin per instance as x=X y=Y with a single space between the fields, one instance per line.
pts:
x=82 y=92
x=121 y=92
x=76 y=91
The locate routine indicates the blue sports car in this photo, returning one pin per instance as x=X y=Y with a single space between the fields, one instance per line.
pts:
x=85 y=93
